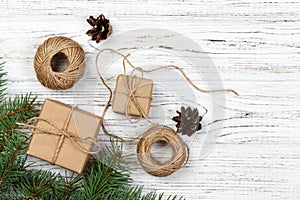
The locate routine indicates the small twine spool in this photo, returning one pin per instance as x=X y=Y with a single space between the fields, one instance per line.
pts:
x=161 y=134
x=52 y=49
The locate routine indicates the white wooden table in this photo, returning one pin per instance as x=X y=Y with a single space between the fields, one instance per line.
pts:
x=255 y=46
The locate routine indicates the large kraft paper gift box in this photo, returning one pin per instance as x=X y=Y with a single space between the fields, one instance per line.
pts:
x=76 y=122
x=143 y=94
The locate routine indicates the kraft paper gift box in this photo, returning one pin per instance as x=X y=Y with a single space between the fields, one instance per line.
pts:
x=78 y=123
x=142 y=90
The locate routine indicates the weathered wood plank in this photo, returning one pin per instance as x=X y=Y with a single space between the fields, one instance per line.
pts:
x=254 y=45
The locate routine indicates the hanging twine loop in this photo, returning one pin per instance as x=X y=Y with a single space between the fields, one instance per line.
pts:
x=75 y=63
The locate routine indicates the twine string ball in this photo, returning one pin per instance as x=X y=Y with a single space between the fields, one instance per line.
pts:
x=58 y=48
x=167 y=135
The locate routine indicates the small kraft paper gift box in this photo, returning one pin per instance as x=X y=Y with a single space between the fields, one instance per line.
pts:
x=131 y=94
x=62 y=135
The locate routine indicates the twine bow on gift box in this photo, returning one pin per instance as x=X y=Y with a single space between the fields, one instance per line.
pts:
x=132 y=84
x=63 y=133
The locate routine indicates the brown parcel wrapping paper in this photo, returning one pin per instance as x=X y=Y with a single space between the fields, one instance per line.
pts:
x=81 y=123
x=143 y=95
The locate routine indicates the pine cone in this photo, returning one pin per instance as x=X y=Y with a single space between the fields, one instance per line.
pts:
x=188 y=121
x=101 y=28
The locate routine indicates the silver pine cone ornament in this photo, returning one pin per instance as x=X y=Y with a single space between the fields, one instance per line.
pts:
x=188 y=121
x=101 y=28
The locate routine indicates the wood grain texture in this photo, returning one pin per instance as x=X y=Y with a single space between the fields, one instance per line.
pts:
x=255 y=46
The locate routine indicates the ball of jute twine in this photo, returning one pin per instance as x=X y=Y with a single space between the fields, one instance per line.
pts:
x=75 y=63
x=167 y=135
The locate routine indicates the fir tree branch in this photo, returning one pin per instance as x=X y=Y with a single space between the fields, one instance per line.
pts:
x=13 y=143
x=7 y=135
x=35 y=184
x=12 y=159
x=68 y=190
x=67 y=187
x=10 y=165
x=108 y=178
x=18 y=109
x=14 y=112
